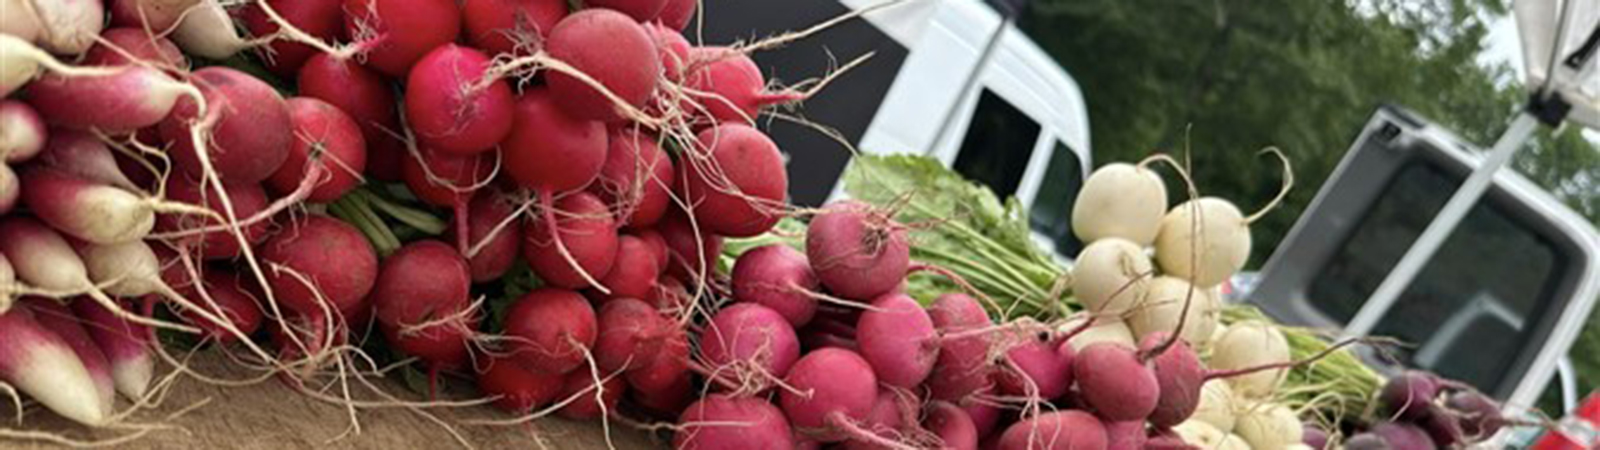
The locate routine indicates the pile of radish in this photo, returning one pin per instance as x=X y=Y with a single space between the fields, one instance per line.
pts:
x=534 y=198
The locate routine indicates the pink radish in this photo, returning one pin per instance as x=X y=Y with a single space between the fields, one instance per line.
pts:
x=583 y=231
x=635 y=271
x=127 y=46
x=85 y=209
x=677 y=13
x=668 y=368
x=778 y=277
x=963 y=365
x=83 y=155
x=551 y=330
x=749 y=341
x=737 y=180
x=157 y=15
x=842 y=390
x=897 y=337
x=887 y=420
x=207 y=30
x=953 y=426
x=511 y=26
x=403 y=30
x=452 y=107
x=520 y=389
x=491 y=249
x=322 y=19
x=1062 y=430
x=367 y=98
x=626 y=64
x=637 y=177
x=1036 y=369
x=735 y=90
x=248 y=142
x=233 y=303
x=22 y=132
x=671 y=398
x=318 y=265
x=248 y=200
x=69 y=26
x=692 y=253
x=327 y=147
x=640 y=10
x=421 y=302
x=671 y=47
x=126 y=346
x=1125 y=435
x=1114 y=382
x=121 y=101
x=858 y=253
x=446 y=180
x=42 y=364
x=55 y=317
x=544 y=132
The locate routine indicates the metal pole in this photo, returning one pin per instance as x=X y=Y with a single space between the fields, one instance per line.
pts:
x=1443 y=224
x=971 y=80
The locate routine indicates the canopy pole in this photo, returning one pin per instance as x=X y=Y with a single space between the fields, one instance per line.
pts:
x=1443 y=224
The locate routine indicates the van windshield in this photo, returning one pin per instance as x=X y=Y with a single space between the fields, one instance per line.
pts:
x=1471 y=310
x=998 y=145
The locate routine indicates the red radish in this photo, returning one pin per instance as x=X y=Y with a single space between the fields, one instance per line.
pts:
x=580 y=385
x=69 y=26
x=232 y=302
x=887 y=420
x=452 y=106
x=984 y=416
x=367 y=98
x=631 y=335
x=447 y=180
x=22 y=132
x=735 y=89
x=520 y=389
x=126 y=46
x=732 y=423
x=640 y=10
x=322 y=19
x=550 y=330
x=669 y=296
x=490 y=255
x=897 y=337
x=1114 y=382
x=667 y=401
x=545 y=132
x=737 y=181
x=1410 y=395
x=1478 y=416
x=637 y=177
x=677 y=13
x=511 y=26
x=327 y=147
x=1036 y=369
x=403 y=30
x=858 y=252
x=158 y=15
x=247 y=199
x=83 y=155
x=85 y=209
x=657 y=245
x=1180 y=376
x=749 y=341
x=207 y=30
x=55 y=317
x=1125 y=435
x=610 y=48
x=249 y=140
x=953 y=426
x=321 y=253
x=126 y=346
x=1061 y=430
x=778 y=277
x=581 y=246
x=671 y=365
x=635 y=271
x=963 y=365
x=420 y=300
x=842 y=389
x=1403 y=436
x=128 y=99
x=671 y=47
x=40 y=363
x=693 y=252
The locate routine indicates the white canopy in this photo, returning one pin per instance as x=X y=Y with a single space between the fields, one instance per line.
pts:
x=1559 y=45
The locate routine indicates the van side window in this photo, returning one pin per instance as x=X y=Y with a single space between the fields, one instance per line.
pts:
x=1471 y=311
x=1051 y=212
x=999 y=142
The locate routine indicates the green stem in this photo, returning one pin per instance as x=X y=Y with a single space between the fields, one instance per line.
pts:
x=416 y=218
